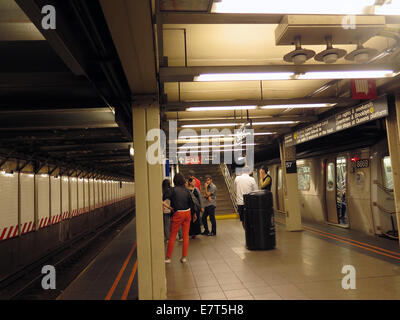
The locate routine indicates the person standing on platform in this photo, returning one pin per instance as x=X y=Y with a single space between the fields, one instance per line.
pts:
x=209 y=207
x=197 y=181
x=166 y=185
x=182 y=208
x=243 y=184
x=265 y=179
x=195 y=225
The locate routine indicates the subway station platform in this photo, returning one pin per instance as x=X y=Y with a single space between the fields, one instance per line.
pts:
x=304 y=265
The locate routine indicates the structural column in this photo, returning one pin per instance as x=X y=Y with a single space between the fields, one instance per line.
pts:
x=149 y=220
x=290 y=187
x=393 y=137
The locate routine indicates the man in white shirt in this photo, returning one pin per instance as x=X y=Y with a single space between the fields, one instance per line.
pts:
x=244 y=184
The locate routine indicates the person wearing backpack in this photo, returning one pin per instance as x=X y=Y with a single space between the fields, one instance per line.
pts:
x=196 y=197
x=182 y=213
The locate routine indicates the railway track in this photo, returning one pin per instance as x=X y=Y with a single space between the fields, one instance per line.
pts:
x=68 y=260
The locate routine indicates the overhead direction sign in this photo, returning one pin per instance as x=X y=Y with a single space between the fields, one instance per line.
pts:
x=343 y=120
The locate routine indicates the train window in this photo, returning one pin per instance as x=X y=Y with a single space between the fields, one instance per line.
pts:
x=330 y=182
x=279 y=178
x=303 y=176
x=387 y=167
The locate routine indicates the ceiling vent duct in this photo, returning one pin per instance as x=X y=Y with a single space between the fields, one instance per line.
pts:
x=314 y=28
x=330 y=55
x=299 y=55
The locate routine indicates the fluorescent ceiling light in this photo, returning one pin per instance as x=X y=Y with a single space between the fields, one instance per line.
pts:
x=198 y=140
x=222 y=137
x=366 y=74
x=204 y=125
x=206 y=136
x=217 y=146
x=292 y=6
x=221 y=108
x=208 y=151
x=263 y=133
x=298 y=106
x=255 y=76
x=273 y=123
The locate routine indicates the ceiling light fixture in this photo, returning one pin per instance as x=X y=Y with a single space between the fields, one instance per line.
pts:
x=330 y=55
x=218 y=108
x=292 y=6
x=273 y=123
x=208 y=151
x=206 y=125
x=362 y=74
x=218 y=146
x=361 y=54
x=255 y=76
x=299 y=55
x=299 y=106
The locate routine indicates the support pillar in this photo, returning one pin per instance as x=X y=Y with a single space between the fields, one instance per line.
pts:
x=290 y=187
x=393 y=137
x=149 y=219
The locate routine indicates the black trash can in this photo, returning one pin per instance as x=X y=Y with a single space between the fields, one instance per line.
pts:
x=259 y=220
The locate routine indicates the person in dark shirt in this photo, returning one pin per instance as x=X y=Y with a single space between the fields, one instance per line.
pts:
x=265 y=179
x=209 y=206
x=182 y=208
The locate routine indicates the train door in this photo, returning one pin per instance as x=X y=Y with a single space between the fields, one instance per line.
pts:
x=279 y=186
x=330 y=191
x=341 y=190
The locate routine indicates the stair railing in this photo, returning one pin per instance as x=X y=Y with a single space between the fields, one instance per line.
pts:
x=229 y=184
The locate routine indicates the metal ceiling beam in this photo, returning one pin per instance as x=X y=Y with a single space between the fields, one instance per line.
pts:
x=40 y=79
x=54 y=37
x=217 y=18
x=44 y=112
x=181 y=106
x=231 y=18
x=54 y=136
x=88 y=147
x=83 y=42
x=43 y=120
x=187 y=74
x=131 y=26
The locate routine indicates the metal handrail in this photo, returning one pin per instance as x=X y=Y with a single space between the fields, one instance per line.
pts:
x=229 y=184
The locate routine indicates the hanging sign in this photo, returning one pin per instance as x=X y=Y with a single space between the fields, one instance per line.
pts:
x=352 y=117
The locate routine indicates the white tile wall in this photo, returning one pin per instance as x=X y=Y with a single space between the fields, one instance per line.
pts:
x=42 y=184
x=27 y=202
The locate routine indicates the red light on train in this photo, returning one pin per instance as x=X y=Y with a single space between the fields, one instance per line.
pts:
x=354 y=159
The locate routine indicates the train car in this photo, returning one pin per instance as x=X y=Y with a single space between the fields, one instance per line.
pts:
x=350 y=189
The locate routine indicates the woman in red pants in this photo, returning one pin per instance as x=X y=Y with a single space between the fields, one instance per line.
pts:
x=182 y=208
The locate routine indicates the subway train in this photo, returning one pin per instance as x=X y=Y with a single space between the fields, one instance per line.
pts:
x=41 y=213
x=350 y=189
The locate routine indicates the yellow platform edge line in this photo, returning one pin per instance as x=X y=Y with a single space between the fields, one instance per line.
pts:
x=226 y=216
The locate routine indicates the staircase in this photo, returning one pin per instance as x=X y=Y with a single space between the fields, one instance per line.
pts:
x=224 y=202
